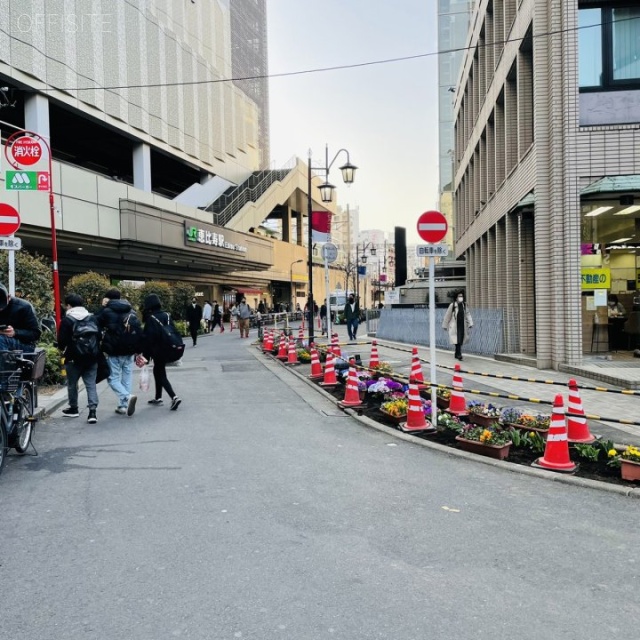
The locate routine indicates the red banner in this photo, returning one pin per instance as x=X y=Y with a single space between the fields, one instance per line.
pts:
x=321 y=226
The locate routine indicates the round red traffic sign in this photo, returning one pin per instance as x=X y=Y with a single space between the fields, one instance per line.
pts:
x=432 y=226
x=26 y=150
x=9 y=220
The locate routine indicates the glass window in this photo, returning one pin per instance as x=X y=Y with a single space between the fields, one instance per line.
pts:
x=590 y=47
x=626 y=43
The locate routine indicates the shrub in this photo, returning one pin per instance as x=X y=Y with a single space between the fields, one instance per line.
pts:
x=161 y=289
x=132 y=294
x=182 y=326
x=33 y=275
x=53 y=366
x=181 y=295
x=91 y=286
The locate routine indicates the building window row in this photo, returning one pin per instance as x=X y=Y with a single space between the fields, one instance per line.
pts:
x=609 y=45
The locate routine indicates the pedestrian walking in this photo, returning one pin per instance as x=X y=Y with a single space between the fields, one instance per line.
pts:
x=79 y=342
x=458 y=322
x=217 y=317
x=233 y=316
x=155 y=321
x=121 y=340
x=352 y=316
x=194 y=316
x=206 y=316
x=244 y=317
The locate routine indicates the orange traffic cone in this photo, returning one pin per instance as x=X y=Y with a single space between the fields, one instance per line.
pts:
x=330 y=379
x=300 y=335
x=282 y=348
x=292 y=357
x=335 y=346
x=416 y=420
x=457 y=403
x=416 y=368
x=316 y=367
x=373 y=361
x=556 y=453
x=267 y=343
x=577 y=427
x=351 y=393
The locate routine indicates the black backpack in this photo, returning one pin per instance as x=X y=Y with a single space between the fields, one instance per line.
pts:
x=129 y=334
x=85 y=338
x=171 y=346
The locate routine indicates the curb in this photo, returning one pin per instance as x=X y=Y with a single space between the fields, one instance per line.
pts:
x=441 y=448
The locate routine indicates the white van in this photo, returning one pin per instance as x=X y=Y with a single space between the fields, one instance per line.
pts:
x=337 y=300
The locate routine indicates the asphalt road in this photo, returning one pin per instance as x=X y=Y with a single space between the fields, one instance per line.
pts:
x=259 y=511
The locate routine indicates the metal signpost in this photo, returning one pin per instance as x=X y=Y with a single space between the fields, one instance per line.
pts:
x=9 y=224
x=432 y=228
x=330 y=254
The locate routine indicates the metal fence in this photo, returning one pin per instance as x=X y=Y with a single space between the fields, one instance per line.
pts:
x=494 y=330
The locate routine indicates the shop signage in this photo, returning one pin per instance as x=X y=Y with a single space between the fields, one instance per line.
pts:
x=593 y=278
x=204 y=236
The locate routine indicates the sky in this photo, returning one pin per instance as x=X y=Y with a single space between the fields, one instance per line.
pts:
x=385 y=115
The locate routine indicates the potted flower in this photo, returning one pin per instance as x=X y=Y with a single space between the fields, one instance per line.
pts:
x=483 y=414
x=383 y=387
x=493 y=441
x=443 y=397
x=526 y=420
x=629 y=461
x=303 y=355
x=382 y=368
x=396 y=409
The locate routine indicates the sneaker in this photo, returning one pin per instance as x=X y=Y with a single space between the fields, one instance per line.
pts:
x=131 y=407
x=175 y=403
x=92 y=417
x=70 y=412
x=121 y=411
x=156 y=401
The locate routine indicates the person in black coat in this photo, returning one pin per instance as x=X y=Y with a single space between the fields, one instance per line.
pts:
x=194 y=316
x=154 y=317
x=20 y=330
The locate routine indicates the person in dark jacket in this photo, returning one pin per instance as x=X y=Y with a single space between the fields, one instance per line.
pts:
x=20 y=329
x=154 y=317
x=194 y=316
x=111 y=319
x=217 y=317
x=352 y=316
x=77 y=366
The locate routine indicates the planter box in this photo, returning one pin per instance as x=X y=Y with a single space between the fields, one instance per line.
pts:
x=482 y=421
x=630 y=470
x=443 y=403
x=521 y=427
x=499 y=452
x=394 y=419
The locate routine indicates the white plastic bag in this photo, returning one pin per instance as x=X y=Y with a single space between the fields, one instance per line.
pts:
x=144 y=378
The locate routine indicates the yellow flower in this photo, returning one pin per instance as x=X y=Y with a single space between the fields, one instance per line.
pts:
x=532 y=433
x=612 y=453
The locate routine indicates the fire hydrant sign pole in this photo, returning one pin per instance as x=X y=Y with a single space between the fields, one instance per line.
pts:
x=432 y=228
x=25 y=149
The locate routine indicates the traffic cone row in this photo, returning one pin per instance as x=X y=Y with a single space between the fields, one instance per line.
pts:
x=457 y=402
x=416 y=368
x=373 y=360
x=416 y=420
x=351 y=393
x=267 y=343
x=330 y=379
x=292 y=357
x=556 y=451
x=316 y=367
x=577 y=427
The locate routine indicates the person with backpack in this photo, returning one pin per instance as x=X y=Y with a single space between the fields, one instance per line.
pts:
x=79 y=342
x=162 y=344
x=122 y=339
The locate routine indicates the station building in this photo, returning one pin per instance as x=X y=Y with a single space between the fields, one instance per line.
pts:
x=160 y=160
x=547 y=168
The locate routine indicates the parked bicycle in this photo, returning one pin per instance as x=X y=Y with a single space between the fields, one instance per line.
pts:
x=19 y=374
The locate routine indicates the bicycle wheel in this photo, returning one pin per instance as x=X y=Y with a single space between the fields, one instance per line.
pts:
x=24 y=428
x=4 y=441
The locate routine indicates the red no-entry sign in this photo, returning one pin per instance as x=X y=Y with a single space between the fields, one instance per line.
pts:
x=9 y=220
x=432 y=226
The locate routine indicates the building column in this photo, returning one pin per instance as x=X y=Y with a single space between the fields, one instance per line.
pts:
x=286 y=223
x=36 y=115
x=528 y=277
x=142 y=167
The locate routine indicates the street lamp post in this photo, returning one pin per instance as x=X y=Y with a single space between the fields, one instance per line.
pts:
x=293 y=306
x=363 y=258
x=326 y=192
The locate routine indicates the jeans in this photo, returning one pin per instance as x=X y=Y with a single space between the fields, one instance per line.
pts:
x=352 y=328
x=88 y=375
x=120 y=377
x=13 y=344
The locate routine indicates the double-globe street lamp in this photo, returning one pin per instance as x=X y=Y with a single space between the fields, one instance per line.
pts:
x=326 y=195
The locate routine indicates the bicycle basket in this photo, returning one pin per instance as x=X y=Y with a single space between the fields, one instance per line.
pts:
x=9 y=380
x=9 y=360
x=36 y=370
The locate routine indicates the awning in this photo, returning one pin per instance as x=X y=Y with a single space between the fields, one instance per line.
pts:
x=249 y=292
x=613 y=184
